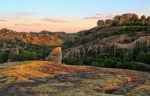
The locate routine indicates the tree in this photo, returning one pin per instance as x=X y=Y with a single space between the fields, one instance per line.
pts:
x=141 y=56
x=121 y=52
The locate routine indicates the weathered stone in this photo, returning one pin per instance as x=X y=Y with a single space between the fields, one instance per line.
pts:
x=55 y=55
x=100 y=22
x=117 y=18
x=147 y=21
x=15 y=50
x=128 y=17
x=148 y=18
x=108 y=21
x=108 y=45
x=143 y=17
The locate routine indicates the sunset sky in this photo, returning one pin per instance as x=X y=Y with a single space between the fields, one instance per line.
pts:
x=64 y=15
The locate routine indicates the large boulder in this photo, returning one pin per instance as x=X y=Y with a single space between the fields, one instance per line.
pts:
x=117 y=18
x=143 y=17
x=108 y=21
x=148 y=21
x=100 y=23
x=141 y=21
x=55 y=55
x=129 y=17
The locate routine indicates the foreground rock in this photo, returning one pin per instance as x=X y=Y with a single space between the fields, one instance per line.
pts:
x=55 y=55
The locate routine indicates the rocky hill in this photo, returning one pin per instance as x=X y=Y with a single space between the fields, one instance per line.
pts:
x=42 y=38
x=42 y=78
x=124 y=31
x=20 y=46
x=109 y=44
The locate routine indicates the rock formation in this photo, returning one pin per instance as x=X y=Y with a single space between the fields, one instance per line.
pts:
x=109 y=45
x=125 y=19
x=108 y=21
x=55 y=55
x=128 y=17
x=100 y=22
x=15 y=50
x=147 y=21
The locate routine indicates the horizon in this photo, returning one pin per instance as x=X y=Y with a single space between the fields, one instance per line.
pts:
x=64 y=16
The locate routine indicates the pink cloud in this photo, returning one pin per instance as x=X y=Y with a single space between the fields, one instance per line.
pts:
x=23 y=24
x=110 y=16
x=33 y=24
x=94 y=17
x=53 y=20
x=37 y=24
x=6 y=17
x=25 y=13
x=3 y=20
x=99 y=14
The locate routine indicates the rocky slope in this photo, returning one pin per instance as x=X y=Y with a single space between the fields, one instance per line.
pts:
x=130 y=41
x=38 y=78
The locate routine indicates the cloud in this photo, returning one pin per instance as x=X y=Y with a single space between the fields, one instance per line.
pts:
x=53 y=20
x=109 y=15
x=6 y=17
x=94 y=17
x=33 y=24
x=20 y=24
x=26 y=13
x=99 y=14
x=38 y=24
x=3 y=20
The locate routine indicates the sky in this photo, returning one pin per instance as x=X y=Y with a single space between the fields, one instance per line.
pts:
x=64 y=15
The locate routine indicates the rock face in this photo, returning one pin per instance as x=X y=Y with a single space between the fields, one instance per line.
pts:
x=55 y=55
x=110 y=45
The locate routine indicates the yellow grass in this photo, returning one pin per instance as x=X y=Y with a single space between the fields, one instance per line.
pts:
x=38 y=69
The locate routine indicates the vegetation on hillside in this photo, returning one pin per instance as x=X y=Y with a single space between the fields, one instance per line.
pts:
x=100 y=33
x=119 y=60
x=31 y=52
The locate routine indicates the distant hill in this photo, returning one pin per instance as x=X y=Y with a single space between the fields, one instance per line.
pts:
x=20 y=46
x=41 y=38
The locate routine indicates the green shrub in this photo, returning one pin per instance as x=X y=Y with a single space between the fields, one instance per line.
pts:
x=72 y=61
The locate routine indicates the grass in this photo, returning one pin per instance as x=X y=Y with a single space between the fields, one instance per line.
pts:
x=37 y=69
x=46 y=80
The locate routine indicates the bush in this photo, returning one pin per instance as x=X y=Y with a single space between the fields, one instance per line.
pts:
x=72 y=61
